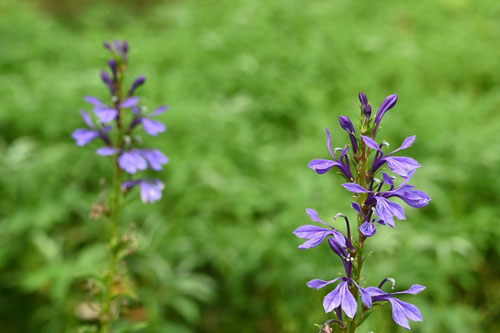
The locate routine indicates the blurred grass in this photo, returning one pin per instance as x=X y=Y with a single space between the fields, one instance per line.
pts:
x=251 y=86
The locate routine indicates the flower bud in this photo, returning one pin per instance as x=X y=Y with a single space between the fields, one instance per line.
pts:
x=137 y=83
x=114 y=68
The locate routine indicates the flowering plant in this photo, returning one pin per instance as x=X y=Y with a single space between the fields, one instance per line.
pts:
x=113 y=124
x=360 y=165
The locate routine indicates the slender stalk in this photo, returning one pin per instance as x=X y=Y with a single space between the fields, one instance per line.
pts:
x=107 y=317
x=364 y=178
x=107 y=311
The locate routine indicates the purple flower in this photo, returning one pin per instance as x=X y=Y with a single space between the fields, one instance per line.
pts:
x=367 y=108
x=398 y=164
x=387 y=104
x=84 y=136
x=151 y=126
x=150 y=188
x=401 y=311
x=107 y=113
x=346 y=124
x=104 y=112
x=341 y=296
x=316 y=235
x=386 y=210
x=321 y=166
x=132 y=161
x=136 y=159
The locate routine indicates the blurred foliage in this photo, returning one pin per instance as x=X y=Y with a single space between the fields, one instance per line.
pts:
x=251 y=85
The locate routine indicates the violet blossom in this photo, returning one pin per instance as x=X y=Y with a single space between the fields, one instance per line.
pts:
x=111 y=115
x=371 y=195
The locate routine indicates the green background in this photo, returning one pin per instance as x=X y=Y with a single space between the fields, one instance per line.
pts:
x=251 y=86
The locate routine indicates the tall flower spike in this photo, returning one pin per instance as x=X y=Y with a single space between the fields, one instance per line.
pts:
x=118 y=116
x=373 y=204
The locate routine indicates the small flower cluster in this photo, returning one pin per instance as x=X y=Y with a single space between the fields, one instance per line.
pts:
x=114 y=123
x=373 y=207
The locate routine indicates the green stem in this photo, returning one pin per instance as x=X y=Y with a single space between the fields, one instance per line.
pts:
x=107 y=312
x=364 y=178
x=107 y=317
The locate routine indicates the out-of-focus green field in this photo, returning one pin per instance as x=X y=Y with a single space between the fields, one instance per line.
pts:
x=251 y=86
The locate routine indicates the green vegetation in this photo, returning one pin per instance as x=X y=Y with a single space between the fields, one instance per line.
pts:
x=251 y=85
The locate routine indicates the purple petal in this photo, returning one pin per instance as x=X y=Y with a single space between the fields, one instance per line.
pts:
x=406 y=144
x=367 y=229
x=151 y=191
x=87 y=119
x=313 y=214
x=410 y=310
x=339 y=238
x=371 y=143
x=402 y=165
x=308 y=231
x=357 y=207
x=132 y=161
x=105 y=114
x=398 y=314
x=107 y=151
x=414 y=289
x=84 y=136
x=155 y=158
x=365 y=295
x=388 y=103
x=349 y=304
x=387 y=209
x=355 y=188
x=318 y=284
x=387 y=179
x=94 y=100
x=414 y=198
x=129 y=102
x=329 y=142
x=333 y=299
x=316 y=240
x=159 y=111
x=321 y=166
x=375 y=292
x=153 y=127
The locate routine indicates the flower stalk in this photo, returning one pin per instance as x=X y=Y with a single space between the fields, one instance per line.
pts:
x=349 y=295
x=113 y=123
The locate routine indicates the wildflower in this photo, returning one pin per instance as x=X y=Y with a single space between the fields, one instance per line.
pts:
x=386 y=210
x=398 y=164
x=401 y=311
x=316 y=235
x=84 y=136
x=150 y=188
x=321 y=165
x=107 y=113
x=136 y=159
x=151 y=126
